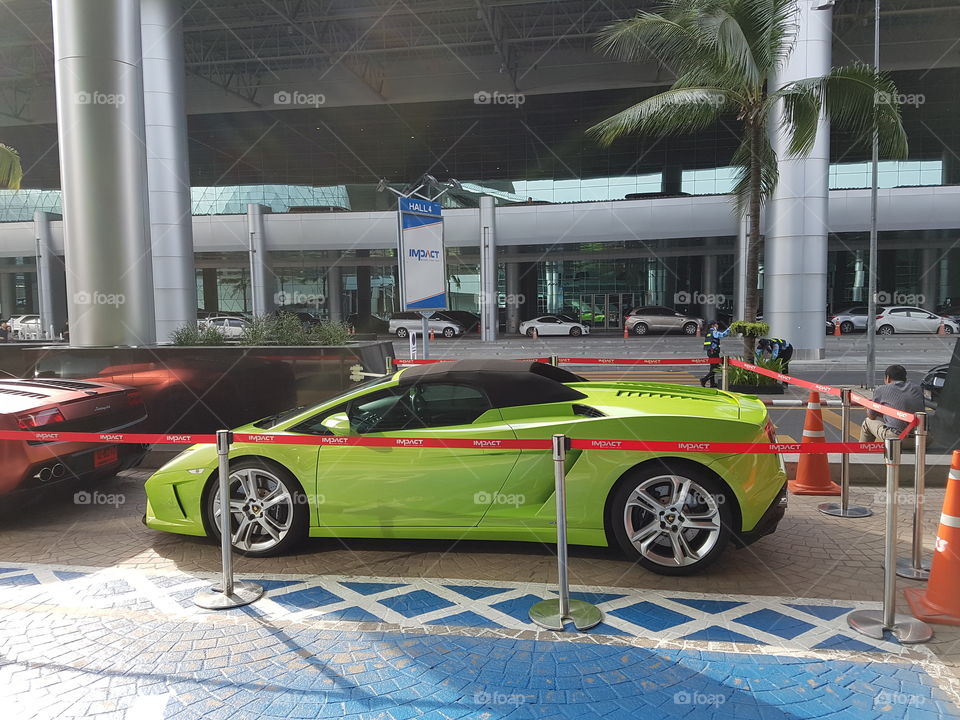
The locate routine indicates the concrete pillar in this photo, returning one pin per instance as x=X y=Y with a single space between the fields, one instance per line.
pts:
x=671 y=181
x=51 y=279
x=512 y=273
x=211 y=290
x=334 y=296
x=795 y=270
x=103 y=167
x=740 y=263
x=488 y=269
x=929 y=278
x=168 y=168
x=31 y=300
x=261 y=277
x=708 y=282
x=364 y=289
x=8 y=294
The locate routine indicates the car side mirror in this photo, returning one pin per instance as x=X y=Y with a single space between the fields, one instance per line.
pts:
x=337 y=423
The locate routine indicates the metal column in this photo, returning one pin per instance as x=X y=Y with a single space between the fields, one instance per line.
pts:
x=261 y=277
x=488 y=270
x=740 y=262
x=795 y=268
x=334 y=296
x=168 y=167
x=8 y=294
x=103 y=166
x=51 y=279
x=708 y=281
x=512 y=277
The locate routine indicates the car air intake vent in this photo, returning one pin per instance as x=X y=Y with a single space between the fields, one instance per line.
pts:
x=62 y=384
x=648 y=394
x=21 y=393
x=587 y=411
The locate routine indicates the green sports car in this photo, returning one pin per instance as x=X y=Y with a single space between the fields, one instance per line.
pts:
x=673 y=513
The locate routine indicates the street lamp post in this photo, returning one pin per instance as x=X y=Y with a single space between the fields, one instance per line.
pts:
x=874 y=192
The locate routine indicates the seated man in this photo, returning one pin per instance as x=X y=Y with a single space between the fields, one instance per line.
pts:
x=898 y=393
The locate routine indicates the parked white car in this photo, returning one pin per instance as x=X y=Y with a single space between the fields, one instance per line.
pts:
x=553 y=325
x=25 y=327
x=405 y=323
x=906 y=319
x=231 y=327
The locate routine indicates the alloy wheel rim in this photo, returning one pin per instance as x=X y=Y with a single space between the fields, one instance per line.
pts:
x=261 y=510
x=672 y=520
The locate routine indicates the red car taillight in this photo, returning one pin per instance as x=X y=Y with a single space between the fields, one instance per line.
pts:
x=771 y=431
x=879 y=317
x=44 y=418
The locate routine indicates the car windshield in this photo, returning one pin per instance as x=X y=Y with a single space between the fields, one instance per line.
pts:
x=273 y=421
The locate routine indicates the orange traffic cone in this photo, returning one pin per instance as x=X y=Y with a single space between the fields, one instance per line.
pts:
x=837 y=332
x=535 y=333
x=813 y=470
x=699 y=330
x=941 y=330
x=433 y=335
x=941 y=601
x=626 y=332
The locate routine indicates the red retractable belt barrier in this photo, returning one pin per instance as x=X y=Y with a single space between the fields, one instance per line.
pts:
x=639 y=361
x=817 y=387
x=113 y=438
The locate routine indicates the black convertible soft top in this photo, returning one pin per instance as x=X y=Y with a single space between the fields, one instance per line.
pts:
x=508 y=383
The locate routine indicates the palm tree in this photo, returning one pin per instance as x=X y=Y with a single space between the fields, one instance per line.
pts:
x=722 y=52
x=11 y=172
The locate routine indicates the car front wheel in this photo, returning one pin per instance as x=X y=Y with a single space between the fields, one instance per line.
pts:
x=674 y=520
x=947 y=330
x=690 y=329
x=846 y=327
x=269 y=513
x=449 y=332
x=402 y=332
x=576 y=332
x=640 y=329
x=529 y=332
x=885 y=330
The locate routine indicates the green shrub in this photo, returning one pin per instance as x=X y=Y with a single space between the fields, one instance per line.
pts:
x=750 y=329
x=331 y=333
x=195 y=335
x=739 y=376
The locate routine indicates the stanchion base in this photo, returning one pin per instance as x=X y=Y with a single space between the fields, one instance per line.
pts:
x=583 y=615
x=852 y=511
x=906 y=628
x=905 y=569
x=244 y=593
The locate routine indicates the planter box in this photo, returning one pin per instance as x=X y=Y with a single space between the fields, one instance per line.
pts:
x=776 y=389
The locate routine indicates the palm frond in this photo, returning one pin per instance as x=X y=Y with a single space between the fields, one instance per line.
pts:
x=678 y=111
x=856 y=98
x=769 y=175
x=722 y=32
x=11 y=171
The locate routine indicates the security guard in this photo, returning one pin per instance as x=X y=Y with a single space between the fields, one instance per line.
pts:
x=711 y=344
x=776 y=348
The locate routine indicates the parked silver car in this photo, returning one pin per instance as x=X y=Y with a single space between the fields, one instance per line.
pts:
x=656 y=318
x=852 y=319
x=906 y=319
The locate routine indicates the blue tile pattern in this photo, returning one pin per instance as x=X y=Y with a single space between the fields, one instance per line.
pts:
x=650 y=616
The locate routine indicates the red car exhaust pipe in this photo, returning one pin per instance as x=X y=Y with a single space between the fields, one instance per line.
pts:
x=45 y=474
x=59 y=470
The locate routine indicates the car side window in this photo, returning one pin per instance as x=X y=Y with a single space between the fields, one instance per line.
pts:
x=386 y=411
x=900 y=311
x=441 y=404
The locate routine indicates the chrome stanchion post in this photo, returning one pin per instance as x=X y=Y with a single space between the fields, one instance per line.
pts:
x=914 y=567
x=551 y=614
x=230 y=594
x=390 y=368
x=843 y=509
x=725 y=375
x=874 y=623
x=555 y=360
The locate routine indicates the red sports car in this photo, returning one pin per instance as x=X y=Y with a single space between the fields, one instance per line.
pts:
x=54 y=405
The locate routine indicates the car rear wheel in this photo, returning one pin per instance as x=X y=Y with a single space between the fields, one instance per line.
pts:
x=449 y=332
x=402 y=332
x=529 y=332
x=690 y=329
x=846 y=327
x=576 y=332
x=885 y=330
x=641 y=329
x=269 y=510
x=674 y=520
x=947 y=330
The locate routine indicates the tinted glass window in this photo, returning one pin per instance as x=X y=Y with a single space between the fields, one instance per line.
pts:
x=899 y=311
x=857 y=311
x=439 y=404
x=387 y=411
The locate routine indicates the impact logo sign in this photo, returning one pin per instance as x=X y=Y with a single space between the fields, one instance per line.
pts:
x=423 y=272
